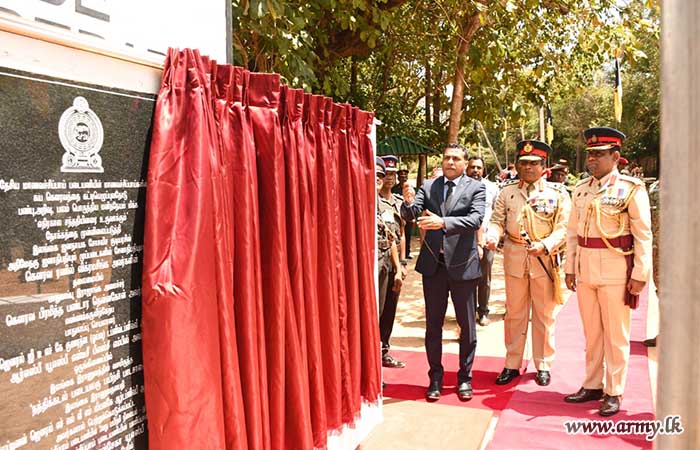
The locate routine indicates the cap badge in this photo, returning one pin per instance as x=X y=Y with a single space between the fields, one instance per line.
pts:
x=528 y=148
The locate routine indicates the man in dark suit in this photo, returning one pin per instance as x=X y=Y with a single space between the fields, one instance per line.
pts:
x=450 y=209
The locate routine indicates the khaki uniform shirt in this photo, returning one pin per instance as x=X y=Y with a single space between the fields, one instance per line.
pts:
x=551 y=205
x=605 y=266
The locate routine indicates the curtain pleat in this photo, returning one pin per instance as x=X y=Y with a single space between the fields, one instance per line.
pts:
x=263 y=98
x=307 y=176
x=326 y=277
x=297 y=410
x=234 y=417
x=259 y=306
x=348 y=241
x=363 y=175
x=180 y=314
x=247 y=285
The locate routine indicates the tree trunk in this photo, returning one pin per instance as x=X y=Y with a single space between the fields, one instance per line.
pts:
x=353 y=79
x=428 y=92
x=437 y=96
x=579 y=160
x=469 y=28
x=422 y=170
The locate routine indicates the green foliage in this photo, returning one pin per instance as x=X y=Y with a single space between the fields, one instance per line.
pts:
x=304 y=40
x=524 y=54
x=580 y=107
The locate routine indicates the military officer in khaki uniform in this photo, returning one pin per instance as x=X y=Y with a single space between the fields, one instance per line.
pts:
x=608 y=264
x=533 y=214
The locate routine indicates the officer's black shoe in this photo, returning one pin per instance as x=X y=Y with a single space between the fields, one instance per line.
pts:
x=434 y=390
x=507 y=375
x=464 y=391
x=649 y=342
x=584 y=395
x=543 y=378
x=391 y=362
x=610 y=406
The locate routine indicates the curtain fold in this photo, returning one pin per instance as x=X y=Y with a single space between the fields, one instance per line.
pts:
x=247 y=284
x=234 y=418
x=263 y=98
x=307 y=176
x=181 y=349
x=327 y=286
x=297 y=410
x=259 y=306
x=348 y=241
x=363 y=174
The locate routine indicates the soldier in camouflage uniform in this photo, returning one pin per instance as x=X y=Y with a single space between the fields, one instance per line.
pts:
x=655 y=210
x=387 y=249
x=390 y=204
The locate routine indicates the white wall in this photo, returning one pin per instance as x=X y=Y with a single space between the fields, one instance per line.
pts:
x=42 y=35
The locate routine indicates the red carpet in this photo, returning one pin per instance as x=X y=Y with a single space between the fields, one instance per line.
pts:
x=535 y=416
x=410 y=382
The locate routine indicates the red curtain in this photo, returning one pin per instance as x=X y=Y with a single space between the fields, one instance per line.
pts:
x=307 y=181
x=259 y=309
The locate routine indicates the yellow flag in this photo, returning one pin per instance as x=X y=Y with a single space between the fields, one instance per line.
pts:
x=618 y=92
x=549 y=129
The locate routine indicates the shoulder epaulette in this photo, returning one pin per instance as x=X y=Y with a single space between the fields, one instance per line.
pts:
x=583 y=181
x=557 y=186
x=630 y=179
x=510 y=183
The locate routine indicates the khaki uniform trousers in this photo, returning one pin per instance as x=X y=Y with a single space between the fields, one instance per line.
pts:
x=524 y=295
x=606 y=325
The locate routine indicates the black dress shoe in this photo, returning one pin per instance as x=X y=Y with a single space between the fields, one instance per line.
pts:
x=464 y=391
x=433 y=392
x=610 y=406
x=391 y=362
x=507 y=375
x=649 y=342
x=584 y=395
x=543 y=378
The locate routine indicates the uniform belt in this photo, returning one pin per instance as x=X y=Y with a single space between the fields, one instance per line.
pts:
x=623 y=242
x=517 y=240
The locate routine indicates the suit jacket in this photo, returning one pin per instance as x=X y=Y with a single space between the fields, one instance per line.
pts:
x=463 y=216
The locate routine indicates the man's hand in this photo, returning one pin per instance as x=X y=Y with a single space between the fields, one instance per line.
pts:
x=635 y=287
x=570 y=281
x=491 y=244
x=430 y=221
x=408 y=193
x=536 y=249
x=398 y=283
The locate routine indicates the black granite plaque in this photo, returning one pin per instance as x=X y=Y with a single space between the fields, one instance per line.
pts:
x=72 y=189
